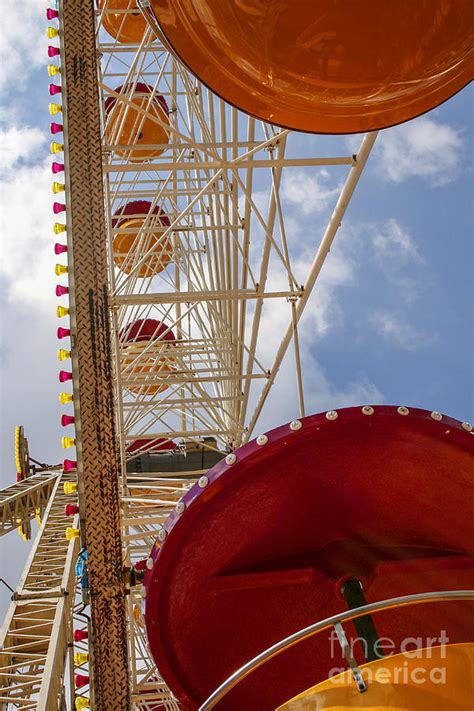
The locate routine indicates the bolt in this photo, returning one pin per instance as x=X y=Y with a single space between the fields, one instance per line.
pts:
x=296 y=425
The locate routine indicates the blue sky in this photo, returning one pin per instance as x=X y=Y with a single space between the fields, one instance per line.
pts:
x=391 y=320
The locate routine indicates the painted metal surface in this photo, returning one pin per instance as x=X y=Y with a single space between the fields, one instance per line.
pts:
x=97 y=461
x=262 y=543
x=339 y=66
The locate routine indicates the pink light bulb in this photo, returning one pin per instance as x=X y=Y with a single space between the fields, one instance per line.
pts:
x=57 y=167
x=55 y=127
x=58 y=207
x=71 y=509
x=69 y=465
x=51 y=14
x=54 y=89
x=61 y=290
x=81 y=680
x=80 y=635
x=64 y=375
x=59 y=248
x=63 y=332
x=53 y=51
x=67 y=420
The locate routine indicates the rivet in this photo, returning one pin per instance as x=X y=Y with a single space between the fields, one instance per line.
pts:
x=331 y=415
x=467 y=426
x=436 y=416
x=231 y=458
x=262 y=439
x=367 y=410
x=180 y=507
x=203 y=482
x=296 y=425
x=149 y=563
x=161 y=534
x=403 y=410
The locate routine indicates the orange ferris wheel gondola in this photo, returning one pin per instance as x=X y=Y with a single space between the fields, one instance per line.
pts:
x=123 y=20
x=146 y=345
x=129 y=244
x=137 y=121
x=334 y=66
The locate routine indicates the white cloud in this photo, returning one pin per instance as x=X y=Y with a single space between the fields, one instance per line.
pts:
x=422 y=148
x=392 y=242
x=403 y=334
x=312 y=192
x=27 y=263
x=18 y=143
x=23 y=42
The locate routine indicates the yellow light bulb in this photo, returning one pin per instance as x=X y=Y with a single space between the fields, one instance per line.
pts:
x=56 y=147
x=80 y=658
x=72 y=533
x=58 y=228
x=60 y=269
x=62 y=311
x=53 y=71
x=51 y=32
x=64 y=398
x=67 y=442
x=57 y=188
x=70 y=487
x=82 y=703
x=63 y=354
x=55 y=109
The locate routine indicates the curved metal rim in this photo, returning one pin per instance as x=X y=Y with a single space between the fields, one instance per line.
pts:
x=274 y=650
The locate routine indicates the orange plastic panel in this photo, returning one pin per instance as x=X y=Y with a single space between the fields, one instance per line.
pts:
x=145 y=125
x=123 y=20
x=158 y=251
x=325 y=66
x=424 y=680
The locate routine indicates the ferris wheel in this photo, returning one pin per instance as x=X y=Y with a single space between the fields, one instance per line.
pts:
x=177 y=532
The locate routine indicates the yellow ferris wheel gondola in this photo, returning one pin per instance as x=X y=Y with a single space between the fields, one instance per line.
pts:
x=333 y=66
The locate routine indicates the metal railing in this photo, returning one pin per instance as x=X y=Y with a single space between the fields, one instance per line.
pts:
x=346 y=616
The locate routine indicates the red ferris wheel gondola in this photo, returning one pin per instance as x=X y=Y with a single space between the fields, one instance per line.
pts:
x=264 y=544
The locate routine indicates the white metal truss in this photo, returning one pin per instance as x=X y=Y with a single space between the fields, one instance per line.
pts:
x=229 y=261
x=36 y=637
x=20 y=502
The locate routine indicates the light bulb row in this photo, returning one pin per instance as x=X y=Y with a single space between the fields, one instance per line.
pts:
x=79 y=635
x=60 y=228
x=69 y=465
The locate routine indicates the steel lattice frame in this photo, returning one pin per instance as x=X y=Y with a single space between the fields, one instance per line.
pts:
x=233 y=263
x=37 y=632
